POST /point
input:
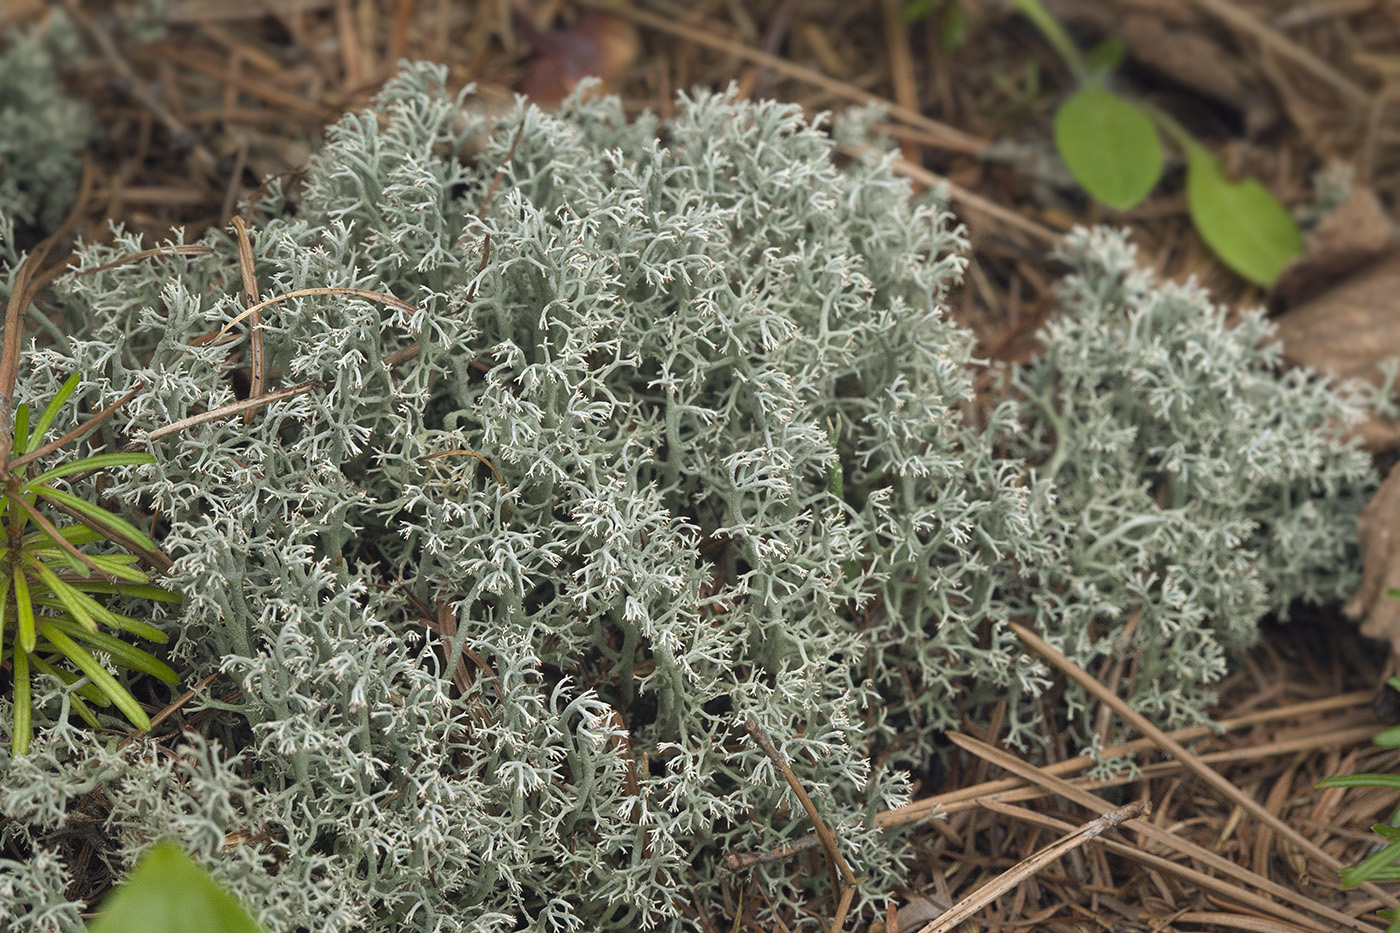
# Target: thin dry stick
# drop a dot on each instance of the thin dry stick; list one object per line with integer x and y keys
{"x": 307, "y": 292}
{"x": 967, "y": 199}
{"x": 992, "y": 890}
{"x": 836, "y": 863}
{"x": 193, "y": 249}
{"x": 234, "y": 409}
{"x": 246, "y": 266}
{"x": 1191, "y": 762}
{"x": 1286, "y": 48}
{"x": 1154, "y": 832}
{"x": 920, "y": 809}
{"x": 950, "y": 138}
{"x": 1196, "y": 879}
{"x": 1340, "y": 732}
{"x": 184, "y": 137}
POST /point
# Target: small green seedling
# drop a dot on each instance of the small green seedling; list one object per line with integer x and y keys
{"x": 52, "y": 589}
{"x": 168, "y": 892}
{"x": 1384, "y": 864}
{"x": 1112, "y": 147}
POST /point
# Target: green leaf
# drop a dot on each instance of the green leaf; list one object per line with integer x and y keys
{"x": 137, "y": 590}
{"x": 21, "y": 428}
{"x": 98, "y": 514}
{"x": 95, "y": 462}
{"x": 97, "y": 674}
{"x": 168, "y": 892}
{"x": 1110, "y": 145}
{"x": 1361, "y": 780}
{"x": 1242, "y": 221}
{"x": 23, "y": 728}
{"x": 66, "y": 595}
{"x": 36, "y": 436}
{"x": 1053, "y": 32}
{"x": 1104, "y": 58}
{"x": 124, "y": 655}
{"x": 25, "y": 608}
{"x": 915, "y": 10}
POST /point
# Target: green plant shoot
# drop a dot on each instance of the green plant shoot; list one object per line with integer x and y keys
{"x": 1112, "y": 147}
{"x": 51, "y": 588}
{"x": 168, "y": 892}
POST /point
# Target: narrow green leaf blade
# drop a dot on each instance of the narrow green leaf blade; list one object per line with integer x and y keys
{"x": 1241, "y": 221}
{"x": 169, "y": 893}
{"x": 25, "y": 609}
{"x": 95, "y": 462}
{"x": 98, "y": 675}
{"x": 1110, "y": 146}
{"x": 23, "y": 724}
{"x": 36, "y": 436}
{"x": 21, "y": 429}
{"x": 96, "y": 513}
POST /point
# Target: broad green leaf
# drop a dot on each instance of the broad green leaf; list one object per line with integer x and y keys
{"x": 98, "y": 675}
{"x": 1241, "y": 221}
{"x": 1110, "y": 146}
{"x": 36, "y": 437}
{"x": 168, "y": 892}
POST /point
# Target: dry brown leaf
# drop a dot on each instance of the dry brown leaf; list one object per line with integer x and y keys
{"x": 597, "y": 44}
{"x": 1380, "y": 566}
{"x": 1355, "y": 234}
{"x": 1350, "y": 328}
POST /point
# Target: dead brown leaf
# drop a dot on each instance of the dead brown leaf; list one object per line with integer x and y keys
{"x": 1352, "y": 236}
{"x": 1380, "y": 566}
{"x": 596, "y": 44}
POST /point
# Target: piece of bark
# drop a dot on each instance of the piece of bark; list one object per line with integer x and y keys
{"x": 1355, "y": 234}
{"x": 1379, "y": 531}
{"x": 597, "y": 44}
{"x": 1351, "y": 328}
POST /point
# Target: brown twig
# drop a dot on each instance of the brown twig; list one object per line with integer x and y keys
{"x": 950, "y": 138}
{"x": 843, "y": 879}
{"x": 1174, "y": 748}
{"x": 234, "y": 409}
{"x": 1015, "y": 875}
{"x": 256, "y": 361}
{"x": 1152, "y": 831}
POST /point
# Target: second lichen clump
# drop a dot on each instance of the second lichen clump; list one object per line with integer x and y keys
{"x": 675, "y": 434}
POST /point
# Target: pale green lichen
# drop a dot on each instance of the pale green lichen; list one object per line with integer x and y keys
{"x": 731, "y": 474}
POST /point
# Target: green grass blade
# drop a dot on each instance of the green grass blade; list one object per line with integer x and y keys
{"x": 25, "y": 609}
{"x": 24, "y": 727}
{"x": 98, "y": 675}
{"x": 66, "y": 594}
{"x": 21, "y": 429}
{"x": 1362, "y": 780}
{"x": 95, "y": 462}
{"x": 51, "y": 412}
{"x": 98, "y": 514}
{"x": 127, "y": 656}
